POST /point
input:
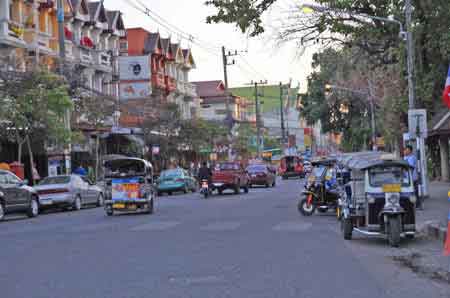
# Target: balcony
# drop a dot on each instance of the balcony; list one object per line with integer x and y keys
{"x": 103, "y": 61}
{"x": 158, "y": 80}
{"x": 44, "y": 42}
{"x": 171, "y": 84}
{"x": 12, "y": 33}
{"x": 83, "y": 55}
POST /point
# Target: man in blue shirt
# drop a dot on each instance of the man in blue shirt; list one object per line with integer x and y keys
{"x": 80, "y": 171}
{"x": 411, "y": 159}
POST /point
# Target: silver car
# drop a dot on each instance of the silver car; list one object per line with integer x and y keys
{"x": 68, "y": 191}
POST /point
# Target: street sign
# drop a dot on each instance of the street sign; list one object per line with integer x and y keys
{"x": 417, "y": 123}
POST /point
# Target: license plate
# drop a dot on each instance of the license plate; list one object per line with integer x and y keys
{"x": 119, "y": 206}
{"x": 389, "y": 188}
{"x": 218, "y": 184}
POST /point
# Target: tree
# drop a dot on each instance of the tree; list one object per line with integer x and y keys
{"x": 32, "y": 102}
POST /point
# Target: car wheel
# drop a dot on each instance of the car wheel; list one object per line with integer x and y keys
{"x": 246, "y": 187}
{"x": 267, "y": 185}
{"x": 77, "y": 204}
{"x": 220, "y": 191}
{"x": 2, "y": 212}
{"x": 109, "y": 211}
{"x": 185, "y": 189}
{"x": 33, "y": 209}
{"x": 100, "y": 200}
{"x": 274, "y": 183}
{"x": 150, "y": 208}
{"x": 160, "y": 194}
{"x": 237, "y": 189}
{"x": 169, "y": 193}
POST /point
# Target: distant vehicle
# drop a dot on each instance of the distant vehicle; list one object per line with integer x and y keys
{"x": 129, "y": 185}
{"x": 230, "y": 175}
{"x": 16, "y": 196}
{"x": 69, "y": 192}
{"x": 291, "y": 166}
{"x": 174, "y": 180}
{"x": 261, "y": 174}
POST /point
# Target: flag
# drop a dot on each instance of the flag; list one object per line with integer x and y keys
{"x": 447, "y": 241}
{"x": 446, "y": 94}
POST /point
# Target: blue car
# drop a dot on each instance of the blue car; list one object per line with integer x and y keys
{"x": 176, "y": 180}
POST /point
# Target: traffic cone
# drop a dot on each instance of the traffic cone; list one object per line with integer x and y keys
{"x": 447, "y": 240}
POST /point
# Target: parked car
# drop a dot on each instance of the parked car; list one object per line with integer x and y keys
{"x": 291, "y": 166}
{"x": 261, "y": 174}
{"x": 16, "y": 196}
{"x": 69, "y": 191}
{"x": 174, "y": 180}
{"x": 230, "y": 175}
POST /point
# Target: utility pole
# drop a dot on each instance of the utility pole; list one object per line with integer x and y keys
{"x": 372, "y": 114}
{"x": 225, "y": 77}
{"x": 61, "y": 35}
{"x": 423, "y": 189}
{"x": 283, "y": 133}
{"x": 258, "y": 123}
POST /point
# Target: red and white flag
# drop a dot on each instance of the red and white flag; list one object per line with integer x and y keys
{"x": 446, "y": 94}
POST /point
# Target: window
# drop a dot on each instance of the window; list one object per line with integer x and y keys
{"x": 55, "y": 180}
{"x": 389, "y": 175}
{"x": 11, "y": 179}
{"x": 3, "y": 178}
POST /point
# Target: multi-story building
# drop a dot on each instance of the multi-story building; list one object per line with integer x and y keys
{"x": 214, "y": 103}
{"x": 154, "y": 71}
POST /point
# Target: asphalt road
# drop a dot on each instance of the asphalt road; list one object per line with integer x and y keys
{"x": 251, "y": 245}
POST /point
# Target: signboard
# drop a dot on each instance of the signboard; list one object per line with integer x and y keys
{"x": 134, "y": 68}
{"x": 135, "y": 90}
{"x": 125, "y": 189}
{"x": 417, "y": 123}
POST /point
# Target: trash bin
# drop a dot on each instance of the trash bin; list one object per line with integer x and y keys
{"x": 18, "y": 169}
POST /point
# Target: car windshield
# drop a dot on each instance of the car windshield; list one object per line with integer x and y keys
{"x": 55, "y": 180}
{"x": 171, "y": 173}
{"x": 257, "y": 168}
{"x": 389, "y": 175}
{"x": 227, "y": 167}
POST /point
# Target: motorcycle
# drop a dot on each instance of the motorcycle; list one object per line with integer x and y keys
{"x": 204, "y": 189}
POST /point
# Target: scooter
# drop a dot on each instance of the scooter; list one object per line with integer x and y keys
{"x": 204, "y": 188}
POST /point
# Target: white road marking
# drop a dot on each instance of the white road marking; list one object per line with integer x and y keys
{"x": 221, "y": 226}
{"x": 292, "y": 226}
{"x": 155, "y": 226}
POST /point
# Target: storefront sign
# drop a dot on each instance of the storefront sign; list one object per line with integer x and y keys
{"x": 125, "y": 189}
{"x": 135, "y": 90}
{"x": 134, "y": 68}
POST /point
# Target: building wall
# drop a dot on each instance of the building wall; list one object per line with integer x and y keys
{"x": 136, "y": 41}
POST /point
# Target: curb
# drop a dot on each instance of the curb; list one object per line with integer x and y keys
{"x": 433, "y": 229}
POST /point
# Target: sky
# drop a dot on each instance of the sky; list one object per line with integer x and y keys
{"x": 260, "y": 58}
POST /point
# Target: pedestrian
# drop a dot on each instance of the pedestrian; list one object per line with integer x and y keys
{"x": 81, "y": 171}
{"x": 411, "y": 159}
{"x": 35, "y": 173}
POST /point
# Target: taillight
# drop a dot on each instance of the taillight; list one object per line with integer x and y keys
{"x": 53, "y": 191}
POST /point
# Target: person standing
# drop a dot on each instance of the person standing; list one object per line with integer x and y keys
{"x": 411, "y": 159}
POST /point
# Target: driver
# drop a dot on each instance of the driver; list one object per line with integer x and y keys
{"x": 205, "y": 173}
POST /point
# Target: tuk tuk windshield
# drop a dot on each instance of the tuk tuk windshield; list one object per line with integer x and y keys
{"x": 124, "y": 167}
{"x": 318, "y": 171}
{"x": 380, "y": 176}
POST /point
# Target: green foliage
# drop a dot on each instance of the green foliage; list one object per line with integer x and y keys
{"x": 35, "y": 101}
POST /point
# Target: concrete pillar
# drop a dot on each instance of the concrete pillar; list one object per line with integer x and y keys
{"x": 443, "y": 148}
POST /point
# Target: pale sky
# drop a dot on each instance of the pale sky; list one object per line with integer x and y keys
{"x": 266, "y": 59}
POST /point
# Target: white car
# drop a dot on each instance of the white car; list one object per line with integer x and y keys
{"x": 68, "y": 191}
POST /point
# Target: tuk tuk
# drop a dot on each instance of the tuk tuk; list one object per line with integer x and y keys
{"x": 379, "y": 197}
{"x": 322, "y": 189}
{"x": 291, "y": 166}
{"x": 129, "y": 185}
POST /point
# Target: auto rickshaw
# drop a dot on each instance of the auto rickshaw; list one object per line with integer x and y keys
{"x": 129, "y": 185}
{"x": 379, "y": 198}
{"x": 322, "y": 189}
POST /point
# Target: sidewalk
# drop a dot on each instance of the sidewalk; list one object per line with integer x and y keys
{"x": 433, "y": 219}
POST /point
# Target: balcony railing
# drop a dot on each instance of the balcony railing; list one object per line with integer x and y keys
{"x": 103, "y": 60}
{"x": 43, "y": 40}
{"x": 83, "y": 55}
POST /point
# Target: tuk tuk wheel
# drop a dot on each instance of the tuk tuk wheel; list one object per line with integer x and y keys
{"x": 305, "y": 208}
{"x": 109, "y": 211}
{"x": 150, "y": 208}
{"x": 347, "y": 228}
{"x": 394, "y": 231}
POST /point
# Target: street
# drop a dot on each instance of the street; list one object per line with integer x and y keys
{"x": 251, "y": 245}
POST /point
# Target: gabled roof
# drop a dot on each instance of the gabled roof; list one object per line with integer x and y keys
{"x": 80, "y": 6}
{"x": 177, "y": 52}
{"x": 115, "y": 21}
{"x": 153, "y": 43}
{"x": 210, "y": 88}
{"x": 97, "y": 12}
{"x": 188, "y": 58}
{"x": 167, "y": 49}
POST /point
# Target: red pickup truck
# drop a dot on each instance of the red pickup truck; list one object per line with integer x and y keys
{"x": 230, "y": 175}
